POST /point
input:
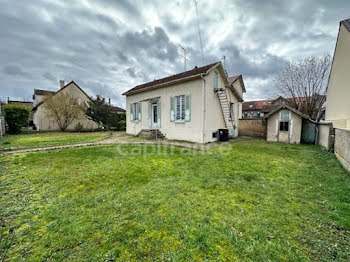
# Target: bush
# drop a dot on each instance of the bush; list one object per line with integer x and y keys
{"x": 16, "y": 116}
{"x": 121, "y": 126}
{"x": 79, "y": 127}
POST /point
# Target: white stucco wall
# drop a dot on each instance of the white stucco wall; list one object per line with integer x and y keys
{"x": 189, "y": 131}
{"x": 338, "y": 94}
{"x": 44, "y": 123}
{"x": 204, "y": 119}
{"x": 213, "y": 113}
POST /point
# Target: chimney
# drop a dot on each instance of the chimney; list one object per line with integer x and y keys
{"x": 109, "y": 101}
{"x": 61, "y": 83}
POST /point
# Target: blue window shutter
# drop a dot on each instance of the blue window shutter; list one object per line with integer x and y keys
{"x": 172, "y": 109}
{"x": 188, "y": 108}
{"x": 158, "y": 114}
{"x": 216, "y": 79}
{"x": 140, "y": 109}
{"x": 131, "y": 112}
{"x": 150, "y": 114}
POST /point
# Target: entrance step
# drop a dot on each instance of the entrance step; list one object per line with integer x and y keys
{"x": 152, "y": 133}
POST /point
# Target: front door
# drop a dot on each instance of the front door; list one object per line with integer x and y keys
{"x": 154, "y": 118}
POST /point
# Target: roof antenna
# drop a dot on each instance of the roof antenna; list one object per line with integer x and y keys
{"x": 199, "y": 31}
{"x": 184, "y": 56}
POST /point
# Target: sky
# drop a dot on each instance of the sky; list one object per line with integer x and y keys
{"x": 110, "y": 46}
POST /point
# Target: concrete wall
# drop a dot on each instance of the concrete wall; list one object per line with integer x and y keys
{"x": 293, "y": 136}
{"x": 252, "y": 127}
{"x": 325, "y": 135}
{"x": 338, "y": 95}
{"x": 43, "y": 122}
{"x": 342, "y": 147}
{"x": 206, "y": 114}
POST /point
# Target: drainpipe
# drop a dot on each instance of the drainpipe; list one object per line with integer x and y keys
{"x": 203, "y": 105}
{"x": 316, "y": 138}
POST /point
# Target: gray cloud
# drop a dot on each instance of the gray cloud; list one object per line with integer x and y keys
{"x": 14, "y": 70}
{"x": 110, "y": 46}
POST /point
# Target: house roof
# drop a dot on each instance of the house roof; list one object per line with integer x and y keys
{"x": 233, "y": 79}
{"x": 255, "y": 105}
{"x": 284, "y": 106}
{"x": 53, "y": 93}
{"x": 41, "y": 92}
{"x": 118, "y": 109}
{"x": 346, "y": 23}
{"x": 197, "y": 71}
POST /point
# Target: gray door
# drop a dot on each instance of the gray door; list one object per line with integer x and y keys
{"x": 308, "y": 132}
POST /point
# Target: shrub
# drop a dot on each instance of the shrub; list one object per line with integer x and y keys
{"x": 16, "y": 116}
{"x": 121, "y": 126}
{"x": 79, "y": 127}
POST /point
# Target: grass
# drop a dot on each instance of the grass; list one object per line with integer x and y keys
{"x": 250, "y": 201}
{"x": 49, "y": 139}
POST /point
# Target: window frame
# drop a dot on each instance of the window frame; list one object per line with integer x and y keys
{"x": 135, "y": 111}
{"x": 182, "y": 108}
{"x": 284, "y": 126}
{"x": 216, "y": 80}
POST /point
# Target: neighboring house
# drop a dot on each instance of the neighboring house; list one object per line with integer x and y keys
{"x": 338, "y": 93}
{"x": 288, "y": 125}
{"x": 255, "y": 109}
{"x": 118, "y": 110}
{"x": 41, "y": 118}
{"x": 189, "y": 106}
{"x": 260, "y": 108}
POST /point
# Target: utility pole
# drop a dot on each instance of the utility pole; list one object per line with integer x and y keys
{"x": 184, "y": 56}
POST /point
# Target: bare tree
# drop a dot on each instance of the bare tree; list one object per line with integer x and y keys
{"x": 304, "y": 83}
{"x": 64, "y": 108}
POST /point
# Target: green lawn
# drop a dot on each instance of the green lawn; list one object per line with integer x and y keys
{"x": 250, "y": 201}
{"x": 49, "y": 139}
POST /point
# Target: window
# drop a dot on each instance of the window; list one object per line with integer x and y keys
{"x": 245, "y": 115}
{"x": 285, "y": 115}
{"x": 232, "y": 110}
{"x": 216, "y": 80}
{"x": 135, "y": 112}
{"x": 258, "y": 115}
{"x": 180, "y": 108}
{"x": 284, "y": 126}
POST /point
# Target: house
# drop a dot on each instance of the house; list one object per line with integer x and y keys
{"x": 338, "y": 93}
{"x": 260, "y": 108}
{"x": 288, "y": 125}
{"x": 44, "y": 122}
{"x": 255, "y": 109}
{"x": 189, "y": 106}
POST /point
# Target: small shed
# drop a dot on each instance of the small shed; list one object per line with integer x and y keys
{"x": 288, "y": 125}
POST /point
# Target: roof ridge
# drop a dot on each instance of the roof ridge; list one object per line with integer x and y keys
{"x": 185, "y": 74}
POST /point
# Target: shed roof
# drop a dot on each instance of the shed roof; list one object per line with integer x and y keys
{"x": 284, "y": 106}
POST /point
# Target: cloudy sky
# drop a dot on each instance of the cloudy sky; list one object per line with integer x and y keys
{"x": 109, "y": 46}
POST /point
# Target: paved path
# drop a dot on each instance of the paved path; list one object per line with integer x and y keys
{"x": 123, "y": 140}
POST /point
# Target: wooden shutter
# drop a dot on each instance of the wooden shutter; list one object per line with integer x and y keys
{"x": 188, "y": 108}
{"x": 172, "y": 109}
{"x": 150, "y": 114}
{"x": 131, "y": 112}
{"x": 158, "y": 114}
{"x": 216, "y": 79}
{"x": 139, "y": 110}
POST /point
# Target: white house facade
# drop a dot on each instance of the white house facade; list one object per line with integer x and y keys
{"x": 189, "y": 106}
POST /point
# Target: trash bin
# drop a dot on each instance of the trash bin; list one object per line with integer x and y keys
{"x": 223, "y": 134}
